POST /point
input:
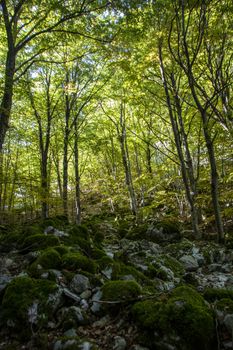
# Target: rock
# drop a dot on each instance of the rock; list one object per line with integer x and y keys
{"x": 101, "y": 323}
{"x": 95, "y": 308}
{"x": 70, "y": 344}
{"x": 85, "y": 346}
{"x": 119, "y": 343}
{"x": 107, "y": 272}
{"x": 71, "y": 295}
{"x": 86, "y": 294}
{"x": 228, "y": 322}
{"x": 189, "y": 262}
{"x": 71, "y": 333}
{"x": 4, "y": 280}
{"x": 49, "y": 229}
{"x": 57, "y": 345}
{"x": 227, "y": 345}
{"x": 58, "y": 233}
{"x": 84, "y": 304}
{"x": 138, "y": 347}
{"x": 79, "y": 283}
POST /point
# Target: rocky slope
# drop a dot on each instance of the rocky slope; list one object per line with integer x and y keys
{"x": 101, "y": 287}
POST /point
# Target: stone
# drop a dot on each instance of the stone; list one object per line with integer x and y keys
{"x": 4, "y": 280}
{"x": 95, "y": 308}
{"x": 228, "y": 322}
{"x": 119, "y": 343}
{"x": 101, "y": 323}
{"x": 189, "y": 262}
{"x": 84, "y": 304}
{"x": 85, "y": 346}
{"x": 49, "y": 229}
{"x": 71, "y": 333}
{"x": 79, "y": 283}
{"x": 71, "y": 295}
{"x": 138, "y": 347}
{"x": 86, "y": 294}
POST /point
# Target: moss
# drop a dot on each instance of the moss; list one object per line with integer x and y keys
{"x": 80, "y": 231}
{"x": 177, "y": 249}
{"x": 120, "y": 290}
{"x": 78, "y": 261}
{"x": 49, "y": 259}
{"x": 61, "y": 249}
{"x": 183, "y": 314}
{"x": 213, "y": 294}
{"x": 97, "y": 253}
{"x": 104, "y": 262}
{"x": 39, "y": 241}
{"x": 20, "y": 295}
{"x": 225, "y": 305}
{"x": 120, "y": 270}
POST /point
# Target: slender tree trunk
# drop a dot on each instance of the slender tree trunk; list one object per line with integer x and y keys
{"x": 77, "y": 176}
{"x": 65, "y": 160}
{"x": 175, "y": 129}
{"x": 44, "y": 186}
{"x": 126, "y": 162}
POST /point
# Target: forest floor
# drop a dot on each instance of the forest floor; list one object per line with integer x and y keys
{"x": 113, "y": 285}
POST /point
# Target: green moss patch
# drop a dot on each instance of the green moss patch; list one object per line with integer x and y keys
{"x": 213, "y": 294}
{"x": 78, "y": 261}
{"x": 120, "y": 290}
{"x": 39, "y": 241}
{"x": 184, "y": 314}
{"x": 20, "y": 296}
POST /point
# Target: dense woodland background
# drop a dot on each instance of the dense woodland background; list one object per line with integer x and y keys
{"x": 121, "y": 106}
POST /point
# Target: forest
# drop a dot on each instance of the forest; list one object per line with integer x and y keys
{"x": 116, "y": 174}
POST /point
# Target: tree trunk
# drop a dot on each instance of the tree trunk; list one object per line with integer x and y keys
{"x": 77, "y": 176}
{"x": 175, "y": 129}
{"x": 126, "y": 162}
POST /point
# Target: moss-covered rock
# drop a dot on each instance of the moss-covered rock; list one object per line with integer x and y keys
{"x": 97, "y": 253}
{"x": 165, "y": 267}
{"x": 183, "y": 316}
{"x": 120, "y": 290}
{"x": 120, "y": 270}
{"x": 78, "y": 261}
{"x": 49, "y": 259}
{"x": 61, "y": 249}
{"x": 213, "y": 294}
{"x": 28, "y": 303}
{"x": 39, "y": 241}
{"x": 225, "y": 305}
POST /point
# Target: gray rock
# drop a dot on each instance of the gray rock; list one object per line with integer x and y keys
{"x": 228, "y": 322}
{"x": 227, "y": 345}
{"x": 86, "y": 294}
{"x": 79, "y": 283}
{"x": 189, "y": 262}
{"x": 71, "y": 295}
{"x": 57, "y": 345}
{"x": 138, "y": 347}
{"x": 55, "y": 300}
{"x": 84, "y": 304}
{"x": 70, "y": 343}
{"x": 95, "y": 308}
{"x": 102, "y": 322}
{"x": 71, "y": 333}
{"x": 107, "y": 272}
{"x": 214, "y": 267}
{"x": 128, "y": 278}
{"x": 49, "y": 229}
{"x": 119, "y": 343}
{"x": 4, "y": 280}
{"x": 85, "y": 346}
{"x": 60, "y": 233}
{"x": 76, "y": 313}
